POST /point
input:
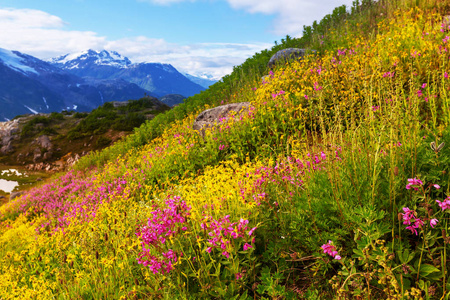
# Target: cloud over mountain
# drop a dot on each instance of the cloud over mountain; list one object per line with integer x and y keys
{"x": 45, "y": 36}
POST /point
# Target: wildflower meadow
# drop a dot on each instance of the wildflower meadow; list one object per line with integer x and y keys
{"x": 334, "y": 184}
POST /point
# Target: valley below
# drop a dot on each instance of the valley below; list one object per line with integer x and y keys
{"x": 33, "y": 147}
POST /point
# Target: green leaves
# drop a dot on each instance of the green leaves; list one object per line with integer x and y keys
{"x": 426, "y": 271}
{"x": 405, "y": 256}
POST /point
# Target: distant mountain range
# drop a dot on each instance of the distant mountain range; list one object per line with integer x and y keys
{"x": 83, "y": 81}
{"x": 203, "y": 80}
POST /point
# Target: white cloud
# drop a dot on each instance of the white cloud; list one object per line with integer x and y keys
{"x": 41, "y": 34}
{"x": 216, "y": 59}
{"x": 291, "y": 14}
{"x": 45, "y": 36}
{"x": 28, "y": 18}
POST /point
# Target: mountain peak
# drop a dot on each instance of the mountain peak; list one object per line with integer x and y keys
{"x": 15, "y": 60}
{"x": 91, "y": 57}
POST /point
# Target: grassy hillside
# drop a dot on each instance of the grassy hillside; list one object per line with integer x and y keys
{"x": 75, "y": 133}
{"x": 334, "y": 185}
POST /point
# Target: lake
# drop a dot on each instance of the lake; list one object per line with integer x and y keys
{"x": 8, "y": 185}
{"x": 15, "y": 178}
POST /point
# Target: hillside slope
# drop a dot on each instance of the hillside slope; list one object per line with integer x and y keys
{"x": 334, "y": 184}
{"x": 48, "y": 141}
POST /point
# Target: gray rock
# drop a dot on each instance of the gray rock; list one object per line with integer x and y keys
{"x": 72, "y": 160}
{"x": 285, "y": 55}
{"x": 37, "y": 154}
{"x": 8, "y": 132}
{"x": 47, "y": 155}
{"x": 44, "y": 142}
{"x": 210, "y": 117}
{"x": 15, "y": 195}
{"x": 7, "y": 139}
{"x": 7, "y": 149}
{"x": 446, "y": 23}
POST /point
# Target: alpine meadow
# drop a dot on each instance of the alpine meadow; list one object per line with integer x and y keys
{"x": 332, "y": 183}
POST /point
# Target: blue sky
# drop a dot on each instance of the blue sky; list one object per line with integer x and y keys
{"x": 196, "y": 36}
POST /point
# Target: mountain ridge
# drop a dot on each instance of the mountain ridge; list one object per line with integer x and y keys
{"x": 82, "y": 81}
{"x": 158, "y": 78}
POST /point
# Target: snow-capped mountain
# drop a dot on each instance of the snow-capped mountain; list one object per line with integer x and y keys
{"x": 159, "y": 79}
{"x": 89, "y": 57}
{"x": 204, "y": 80}
{"x": 82, "y": 81}
{"x": 30, "y": 85}
{"x": 16, "y": 61}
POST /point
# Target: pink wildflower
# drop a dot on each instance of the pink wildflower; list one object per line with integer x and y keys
{"x": 419, "y": 93}
{"x": 413, "y": 183}
{"x": 409, "y": 218}
{"x": 247, "y": 246}
{"x": 330, "y": 249}
{"x": 433, "y": 222}
{"x": 444, "y": 204}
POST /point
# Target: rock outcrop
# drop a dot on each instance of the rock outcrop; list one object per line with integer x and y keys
{"x": 15, "y": 195}
{"x": 8, "y": 132}
{"x": 445, "y": 23}
{"x": 60, "y": 165}
{"x": 44, "y": 142}
{"x": 285, "y": 55}
{"x": 211, "y": 117}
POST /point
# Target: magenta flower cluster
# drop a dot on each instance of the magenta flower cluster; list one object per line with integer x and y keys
{"x": 330, "y": 249}
{"x": 317, "y": 87}
{"x": 389, "y": 74}
{"x": 444, "y": 204}
{"x": 410, "y": 219}
{"x": 71, "y": 198}
{"x": 164, "y": 224}
{"x": 278, "y": 94}
{"x": 414, "y": 183}
{"x": 289, "y": 172}
{"x": 222, "y": 231}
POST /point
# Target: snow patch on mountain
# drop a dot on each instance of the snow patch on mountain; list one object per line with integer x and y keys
{"x": 14, "y": 61}
{"x": 101, "y": 58}
{"x": 32, "y": 110}
{"x": 45, "y": 101}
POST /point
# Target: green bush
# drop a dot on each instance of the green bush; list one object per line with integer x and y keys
{"x": 102, "y": 141}
{"x": 56, "y": 116}
{"x": 80, "y": 115}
